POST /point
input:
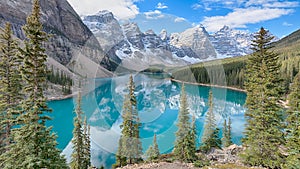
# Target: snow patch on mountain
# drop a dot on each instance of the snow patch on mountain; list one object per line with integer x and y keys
{"x": 229, "y": 42}
{"x": 137, "y": 50}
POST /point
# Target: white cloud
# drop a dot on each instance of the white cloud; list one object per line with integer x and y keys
{"x": 242, "y": 16}
{"x": 282, "y": 5}
{"x": 196, "y": 6}
{"x": 286, "y": 24}
{"x": 161, "y": 6}
{"x": 233, "y": 4}
{"x": 179, "y": 19}
{"x": 272, "y": 3}
{"x": 122, "y": 9}
{"x": 156, "y": 14}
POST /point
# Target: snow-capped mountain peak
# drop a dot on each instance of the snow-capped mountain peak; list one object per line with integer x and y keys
{"x": 229, "y": 42}
{"x": 127, "y": 45}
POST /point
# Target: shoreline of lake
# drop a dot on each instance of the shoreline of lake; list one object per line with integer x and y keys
{"x": 53, "y": 98}
{"x": 210, "y": 85}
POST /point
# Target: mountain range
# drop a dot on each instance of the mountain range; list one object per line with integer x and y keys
{"x": 97, "y": 45}
{"x": 126, "y": 45}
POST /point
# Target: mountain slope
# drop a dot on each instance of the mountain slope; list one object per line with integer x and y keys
{"x": 70, "y": 37}
{"x": 289, "y": 40}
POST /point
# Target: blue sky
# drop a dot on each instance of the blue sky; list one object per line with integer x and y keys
{"x": 280, "y": 17}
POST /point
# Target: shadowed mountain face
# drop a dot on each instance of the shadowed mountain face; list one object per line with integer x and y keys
{"x": 69, "y": 35}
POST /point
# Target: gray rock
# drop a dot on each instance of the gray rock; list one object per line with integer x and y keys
{"x": 70, "y": 36}
{"x": 225, "y": 155}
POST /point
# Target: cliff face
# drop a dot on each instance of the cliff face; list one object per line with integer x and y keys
{"x": 111, "y": 32}
{"x": 197, "y": 39}
{"x": 69, "y": 36}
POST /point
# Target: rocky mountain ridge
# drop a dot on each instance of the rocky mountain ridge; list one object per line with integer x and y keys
{"x": 125, "y": 43}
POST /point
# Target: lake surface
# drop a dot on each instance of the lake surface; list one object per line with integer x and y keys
{"x": 158, "y": 103}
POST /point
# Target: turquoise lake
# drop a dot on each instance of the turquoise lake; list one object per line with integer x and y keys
{"x": 158, "y": 102}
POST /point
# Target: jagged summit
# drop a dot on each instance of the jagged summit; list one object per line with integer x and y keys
{"x": 225, "y": 28}
{"x": 197, "y": 39}
{"x": 163, "y": 35}
{"x": 229, "y": 42}
{"x": 100, "y": 17}
{"x": 106, "y": 29}
{"x": 150, "y": 32}
{"x": 126, "y": 43}
{"x": 104, "y": 12}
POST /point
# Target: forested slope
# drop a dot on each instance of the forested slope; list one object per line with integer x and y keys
{"x": 231, "y": 71}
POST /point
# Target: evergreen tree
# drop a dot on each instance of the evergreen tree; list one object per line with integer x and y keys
{"x": 226, "y": 139}
{"x": 192, "y": 147}
{"x": 130, "y": 147}
{"x": 182, "y": 149}
{"x": 10, "y": 83}
{"x": 155, "y": 148}
{"x": 78, "y": 153}
{"x": 34, "y": 145}
{"x": 87, "y": 143}
{"x": 153, "y": 151}
{"x": 210, "y": 137}
{"x": 293, "y": 127}
{"x": 263, "y": 132}
{"x": 120, "y": 159}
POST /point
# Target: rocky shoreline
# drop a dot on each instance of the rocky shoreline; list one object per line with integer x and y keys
{"x": 219, "y": 159}
{"x": 53, "y": 98}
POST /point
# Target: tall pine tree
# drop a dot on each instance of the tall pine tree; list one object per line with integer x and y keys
{"x": 293, "y": 127}
{"x": 184, "y": 134}
{"x": 34, "y": 145}
{"x": 10, "y": 83}
{"x": 210, "y": 137}
{"x": 78, "y": 153}
{"x": 130, "y": 146}
{"x": 87, "y": 143}
{"x": 226, "y": 139}
{"x": 263, "y": 132}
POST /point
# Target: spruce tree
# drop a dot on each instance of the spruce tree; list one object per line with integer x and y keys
{"x": 192, "y": 146}
{"x": 182, "y": 149}
{"x": 263, "y": 132}
{"x": 293, "y": 125}
{"x": 78, "y": 153}
{"x": 210, "y": 137}
{"x": 87, "y": 143}
{"x": 120, "y": 159}
{"x": 155, "y": 148}
{"x": 10, "y": 83}
{"x": 34, "y": 145}
{"x": 153, "y": 151}
{"x": 226, "y": 139}
{"x": 130, "y": 147}
{"x": 150, "y": 153}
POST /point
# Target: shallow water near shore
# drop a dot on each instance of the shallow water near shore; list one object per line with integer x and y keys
{"x": 158, "y": 103}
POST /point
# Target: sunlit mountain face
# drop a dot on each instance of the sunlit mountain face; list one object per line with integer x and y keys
{"x": 158, "y": 104}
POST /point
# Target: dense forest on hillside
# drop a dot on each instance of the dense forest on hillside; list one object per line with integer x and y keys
{"x": 233, "y": 69}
